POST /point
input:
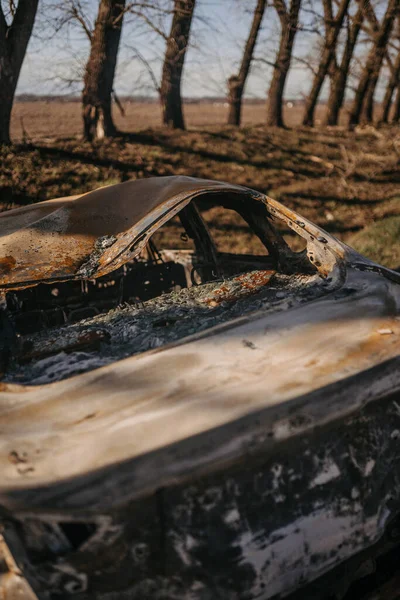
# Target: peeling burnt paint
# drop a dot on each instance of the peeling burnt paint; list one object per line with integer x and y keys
{"x": 92, "y": 264}
{"x": 7, "y": 263}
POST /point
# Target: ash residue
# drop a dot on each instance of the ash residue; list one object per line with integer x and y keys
{"x": 90, "y": 266}
{"x": 133, "y": 329}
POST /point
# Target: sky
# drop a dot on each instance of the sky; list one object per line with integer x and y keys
{"x": 54, "y": 63}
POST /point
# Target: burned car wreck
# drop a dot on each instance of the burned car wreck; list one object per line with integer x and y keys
{"x": 191, "y": 423}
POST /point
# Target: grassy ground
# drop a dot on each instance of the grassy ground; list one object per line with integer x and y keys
{"x": 342, "y": 181}
{"x": 380, "y": 241}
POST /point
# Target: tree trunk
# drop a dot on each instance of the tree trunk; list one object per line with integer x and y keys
{"x": 100, "y": 70}
{"x": 396, "y": 111}
{"x": 289, "y": 22}
{"x": 177, "y": 44}
{"x": 236, "y": 83}
{"x": 339, "y": 80}
{"x": 235, "y": 94}
{"x": 391, "y": 86}
{"x": 14, "y": 40}
{"x": 374, "y": 63}
{"x": 393, "y": 82}
{"x": 326, "y": 58}
{"x": 7, "y": 91}
{"x": 367, "y": 111}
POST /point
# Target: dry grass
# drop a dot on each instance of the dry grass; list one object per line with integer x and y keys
{"x": 342, "y": 181}
{"x": 380, "y": 241}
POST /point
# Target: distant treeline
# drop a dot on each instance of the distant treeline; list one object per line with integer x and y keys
{"x": 148, "y": 99}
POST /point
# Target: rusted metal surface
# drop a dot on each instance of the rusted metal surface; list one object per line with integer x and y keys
{"x": 238, "y": 462}
{"x": 90, "y": 235}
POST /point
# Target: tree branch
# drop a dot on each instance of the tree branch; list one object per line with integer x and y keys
{"x": 264, "y": 61}
{"x": 11, "y": 4}
{"x": 306, "y": 63}
{"x": 328, "y": 13}
{"x": 149, "y": 22}
{"x": 148, "y": 67}
{"x": 80, "y": 17}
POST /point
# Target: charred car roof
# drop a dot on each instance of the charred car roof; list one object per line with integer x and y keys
{"x": 91, "y": 234}
{"x": 95, "y": 233}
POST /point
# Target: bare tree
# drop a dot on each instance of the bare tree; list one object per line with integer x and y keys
{"x": 370, "y": 73}
{"x": 177, "y": 44}
{"x": 340, "y": 75}
{"x": 14, "y": 38}
{"x": 333, "y": 27}
{"x": 237, "y": 82}
{"x": 100, "y": 71}
{"x": 289, "y": 23}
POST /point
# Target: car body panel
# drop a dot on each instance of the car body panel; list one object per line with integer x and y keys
{"x": 224, "y": 374}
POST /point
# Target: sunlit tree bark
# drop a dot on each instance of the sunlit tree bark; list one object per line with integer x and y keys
{"x": 100, "y": 71}
{"x": 289, "y": 23}
{"x": 396, "y": 107}
{"x": 393, "y": 82}
{"x": 177, "y": 45}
